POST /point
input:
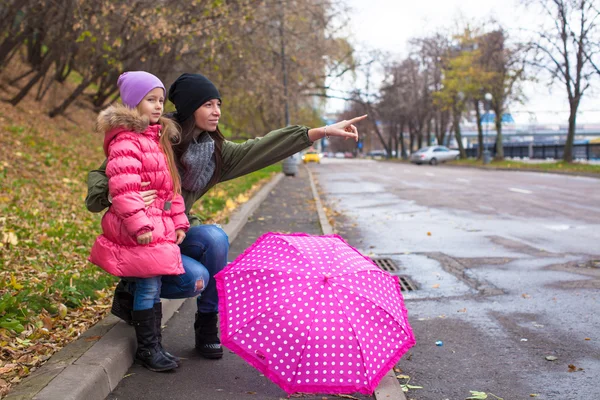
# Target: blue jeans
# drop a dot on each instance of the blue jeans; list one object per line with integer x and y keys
{"x": 146, "y": 293}
{"x": 204, "y": 250}
{"x": 204, "y": 253}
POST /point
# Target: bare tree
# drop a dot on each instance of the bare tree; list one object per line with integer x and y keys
{"x": 566, "y": 46}
{"x": 507, "y": 67}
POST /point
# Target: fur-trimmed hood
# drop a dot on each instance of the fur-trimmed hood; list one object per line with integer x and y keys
{"x": 118, "y": 118}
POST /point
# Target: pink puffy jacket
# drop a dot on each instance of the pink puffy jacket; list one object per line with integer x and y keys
{"x": 134, "y": 156}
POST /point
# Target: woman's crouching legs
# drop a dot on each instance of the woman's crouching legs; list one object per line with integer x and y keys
{"x": 189, "y": 284}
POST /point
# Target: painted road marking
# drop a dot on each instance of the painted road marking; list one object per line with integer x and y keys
{"x": 463, "y": 180}
{"x": 516, "y": 190}
{"x": 429, "y": 174}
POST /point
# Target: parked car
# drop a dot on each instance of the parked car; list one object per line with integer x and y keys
{"x": 311, "y": 156}
{"x": 377, "y": 154}
{"x": 348, "y": 155}
{"x": 433, "y": 155}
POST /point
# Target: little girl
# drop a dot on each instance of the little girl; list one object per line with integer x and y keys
{"x": 138, "y": 241}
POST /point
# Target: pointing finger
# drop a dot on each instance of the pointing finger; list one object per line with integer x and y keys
{"x": 358, "y": 119}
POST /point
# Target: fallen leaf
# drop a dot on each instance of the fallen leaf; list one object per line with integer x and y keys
{"x": 551, "y": 358}
{"x": 10, "y": 238}
{"x": 47, "y": 322}
{"x": 573, "y": 368}
{"x": 463, "y": 310}
{"x": 428, "y": 233}
{"x": 14, "y": 283}
{"x": 406, "y": 388}
{"x": 437, "y": 285}
{"x": 230, "y": 205}
{"x": 92, "y": 338}
{"x": 525, "y": 296}
{"x": 533, "y": 395}
{"x": 401, "y": 376}
{"x": 475, "y": 395}
{"x": 587, "y": 338}
{"x": 62, "y": 311}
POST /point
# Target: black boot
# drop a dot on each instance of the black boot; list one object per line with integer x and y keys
{"x": 158, "y": 320}
{"x": 208, "y": 344}
{"x": 148, "y": 352}
{"x": 122, "y": 304}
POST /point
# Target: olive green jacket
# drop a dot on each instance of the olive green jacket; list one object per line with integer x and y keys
{"x": 238, "y": 159}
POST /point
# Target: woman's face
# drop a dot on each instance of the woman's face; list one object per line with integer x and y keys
{"x": 151, "y": 105}
{"x": 207, "y": 115}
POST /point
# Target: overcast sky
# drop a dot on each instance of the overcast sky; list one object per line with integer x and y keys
{"x": 388, "y": 25}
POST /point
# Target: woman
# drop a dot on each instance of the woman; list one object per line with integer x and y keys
{"x": 204, "y": 158}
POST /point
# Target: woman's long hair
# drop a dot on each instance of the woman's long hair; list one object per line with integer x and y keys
{"x": 188, "y": 131}
{"x": 169, "y": 137}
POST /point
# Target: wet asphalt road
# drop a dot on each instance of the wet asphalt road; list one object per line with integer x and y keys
{"x": 506, "y": 267}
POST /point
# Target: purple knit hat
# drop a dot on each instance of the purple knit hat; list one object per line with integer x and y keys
{"x": 134, "y": 85}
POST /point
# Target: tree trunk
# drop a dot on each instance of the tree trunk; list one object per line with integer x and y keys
{"x": 7, "y": 46}
{"x": 458, "y": 134}
{"x": 82, "y": 86}
{"x": 43, "y": 69}
{"x": 429, "y": 132}
{"x": 479, "y": 131}
{"x": 568, "y": 154}
{"x": 370, "y": 111}
{"x": 499, "y": 142}
{"x": 436, "y": 126}
{"x": 402, "y": 145}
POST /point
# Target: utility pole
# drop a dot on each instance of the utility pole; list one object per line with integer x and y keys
{"x": 290, "y": 164}
{"x": 283, "y": 63}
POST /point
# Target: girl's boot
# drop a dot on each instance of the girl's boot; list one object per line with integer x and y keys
{"x": 148, "y": 352}
{"x": 158, "y": 320}
{"x": 122, "y": 304}
{"x": 206, "y": 329}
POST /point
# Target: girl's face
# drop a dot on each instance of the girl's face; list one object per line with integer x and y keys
{"x": 207, "y": 115}
{"x": 152, "y": 104}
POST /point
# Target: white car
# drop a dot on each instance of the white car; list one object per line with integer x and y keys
{"x": 434, "y": 155}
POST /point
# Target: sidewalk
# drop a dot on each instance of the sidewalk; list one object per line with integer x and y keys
{"x": 286, "y": 204}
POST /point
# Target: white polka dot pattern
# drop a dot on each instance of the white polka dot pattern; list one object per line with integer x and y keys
{"x": 313, "y": 314}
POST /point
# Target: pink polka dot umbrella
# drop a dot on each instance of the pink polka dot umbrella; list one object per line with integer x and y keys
{"x": 313, "y": 314}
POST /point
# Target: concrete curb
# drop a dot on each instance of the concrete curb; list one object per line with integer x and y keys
{"x": 88, "y": 368}
{"x": 389, "y": 388}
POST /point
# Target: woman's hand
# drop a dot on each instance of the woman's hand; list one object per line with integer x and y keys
{"x": 148, "y": 195}
{"x": 144, "y": 238}
{"x": 345, "y": 129}
{"x": 180, "y": 236}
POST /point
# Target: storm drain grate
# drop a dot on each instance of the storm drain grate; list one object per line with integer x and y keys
{"x": 385, "y": 264}
{"x": 388, "y": 265}
{"x": 406, "y": 285}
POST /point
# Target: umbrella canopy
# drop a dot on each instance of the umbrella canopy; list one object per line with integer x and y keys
{"x": 313, "y": 314}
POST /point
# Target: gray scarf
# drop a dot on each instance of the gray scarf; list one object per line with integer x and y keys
{"x": 198, "y": 163}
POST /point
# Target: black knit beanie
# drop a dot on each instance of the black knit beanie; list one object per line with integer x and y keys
{"x": 189, "y": 92}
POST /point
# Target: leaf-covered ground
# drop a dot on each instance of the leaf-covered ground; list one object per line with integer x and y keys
{"x": 49, "y": 292}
